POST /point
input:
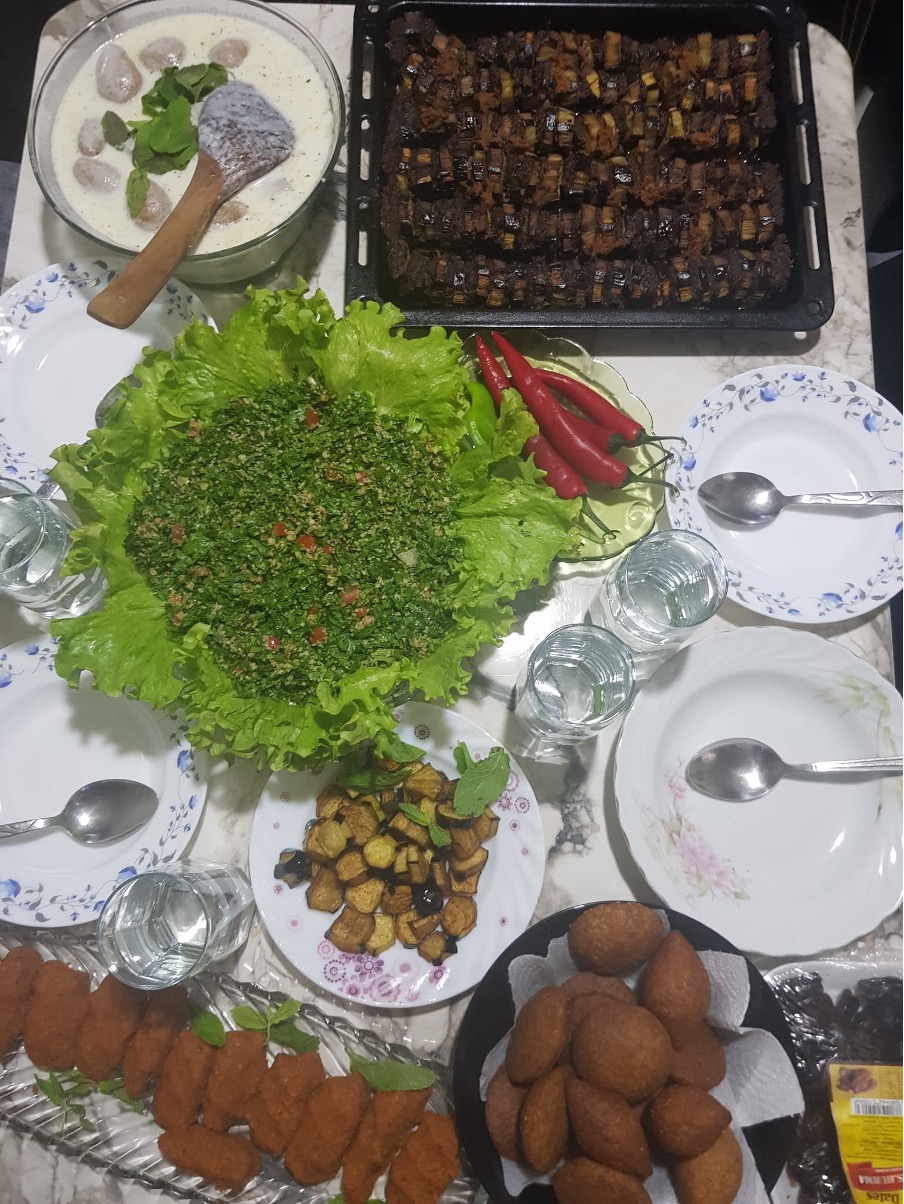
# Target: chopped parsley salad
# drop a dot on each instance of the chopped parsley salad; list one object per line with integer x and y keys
{"x": 295, "y": 529}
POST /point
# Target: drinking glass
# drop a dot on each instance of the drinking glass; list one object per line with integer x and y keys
{"x": 575, "y": 683}
{"x": 34, "y": 540}
{"x": 169, "y": 923}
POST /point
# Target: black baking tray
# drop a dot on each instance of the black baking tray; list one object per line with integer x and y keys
{"x": 808, "y": 299}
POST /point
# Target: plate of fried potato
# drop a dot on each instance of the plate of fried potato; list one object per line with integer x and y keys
{"x": 600, "y": 1082}
{"x": 398, "y": 883}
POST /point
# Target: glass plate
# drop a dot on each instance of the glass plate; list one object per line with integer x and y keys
{"x": 630, "y": 512}
{"x": 124, "y": 1143}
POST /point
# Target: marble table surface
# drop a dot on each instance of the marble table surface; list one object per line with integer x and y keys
{"x": 587, "y": 854}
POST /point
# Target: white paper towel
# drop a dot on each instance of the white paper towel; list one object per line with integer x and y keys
{"x": 759, "y": 1085}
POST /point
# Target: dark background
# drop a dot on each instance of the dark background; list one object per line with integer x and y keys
{"x": 871, "y": 30}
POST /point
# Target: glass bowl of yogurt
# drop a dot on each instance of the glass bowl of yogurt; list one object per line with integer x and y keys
{"x": 87, "y": 174}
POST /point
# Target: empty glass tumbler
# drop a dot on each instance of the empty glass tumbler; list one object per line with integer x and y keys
{"x": 34, "y": 540}
{"x": 575, "y": 683}
{"x": 669, "y": 583}
{"x": 169, "y": 923}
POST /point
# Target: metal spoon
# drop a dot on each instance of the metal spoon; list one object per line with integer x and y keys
{"x": 98, "y": 812}
{"x": 739, "y": 770}
{"x": 749, "y": 499}
{"x": 241, "y": 137}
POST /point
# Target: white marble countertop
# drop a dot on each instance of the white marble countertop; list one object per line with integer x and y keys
{"x": 671, "y": 370}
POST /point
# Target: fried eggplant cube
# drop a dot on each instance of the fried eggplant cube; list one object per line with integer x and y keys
{"x": 325, "y": 891}
{"x": 351, "y": 930}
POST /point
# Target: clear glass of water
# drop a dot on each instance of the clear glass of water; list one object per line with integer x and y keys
{"x": 169, "y": 923}
{"x": 575, "y": 683}
{"x": 669, "y": 583}
{"x": 34, "y": 540}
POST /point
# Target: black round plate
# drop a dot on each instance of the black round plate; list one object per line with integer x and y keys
{"x": 491, "y": 1014}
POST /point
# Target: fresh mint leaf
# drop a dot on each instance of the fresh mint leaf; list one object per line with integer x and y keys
{"x": 172, "y": 131}
{"x": 115, "y": 130}
{"x": 208, "y": 1027}
{"x": 52, "y": 1088}
{"x": 286, "y": 1010}
{"x": 117, "y": 1089}
{"x": 415, "y": 814}
{"x": 392, "y": 1076}
{"x": 395, "y": 749}
{"x": 439, "y": 836}
{"x": 285, "y": 1033}
{"x": 482, "y": 783}
{"x": 136, "y": 190}
{"x": 250, "y": 1018}
{"x": 463, "y": 759}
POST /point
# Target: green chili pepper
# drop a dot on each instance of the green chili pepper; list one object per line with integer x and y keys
{"x": 480, "y": 419}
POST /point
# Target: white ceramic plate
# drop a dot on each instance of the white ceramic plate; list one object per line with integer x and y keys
{"x": 813, "y": 864}
{"x": 400, "y": 978}
{"x": 808, "y": 431}
{"x": 57, "y": 364}
{"x": 53, "y": 740}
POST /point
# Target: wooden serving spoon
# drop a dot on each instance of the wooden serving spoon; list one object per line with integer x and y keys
{"x": 241, "y": 137}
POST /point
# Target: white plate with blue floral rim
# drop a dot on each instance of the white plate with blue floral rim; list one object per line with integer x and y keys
{"x": 813, "y": 864}
{"x": 400, "y": 978}
{"x": 808, "y": 431}
{"x": 57, "y": 364}
{"x": 54, "y": 739}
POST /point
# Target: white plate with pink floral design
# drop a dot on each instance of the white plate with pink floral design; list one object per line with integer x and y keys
{"x": 399, "y": 978}
{"x": 815, "y": 863}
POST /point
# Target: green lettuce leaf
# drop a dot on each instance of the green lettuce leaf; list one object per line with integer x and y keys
{"x": 511, "y": 525}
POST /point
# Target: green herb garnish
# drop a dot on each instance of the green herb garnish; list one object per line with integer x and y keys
{"x": 276, "y": 1024}
{"x": 438, "y": 835}
{"x": 208, "y": 1027}
{"x": 392, "y": 1076}
{"x": 395, "y": 749}
{"x": 115, "y": 130}
{"x": 67, "y": 1088}
{"x": 481, "y": 782}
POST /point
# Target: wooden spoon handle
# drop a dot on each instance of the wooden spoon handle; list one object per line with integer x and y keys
{"x": 128, "y": 296}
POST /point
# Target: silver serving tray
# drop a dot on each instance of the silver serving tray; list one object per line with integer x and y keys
{"x": 124, "y": 1143}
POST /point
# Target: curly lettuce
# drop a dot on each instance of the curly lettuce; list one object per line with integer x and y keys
{"x": 510, "y": 523}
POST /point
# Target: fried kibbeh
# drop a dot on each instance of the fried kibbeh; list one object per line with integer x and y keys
{"x": 503, "y": 1108}
{"x": 226, "y": 1159}
{"x": 583, "y": 1181}
{"x": 17, "y": 977}
{"x": 585, "y": 982}
{"x": 613, "y": 938}
{"x": 606, "y": 1128}
{"x": 426, "y": 1164}
{"x": 685, "y": 1121}
{"x": 675, "y": 987}
{"x": 582, "y": 1005}
{"x": 234, "y": 1078}
{"x": 386, "y": 1122}
{"x": 275, "y": 1110}
{"x": 180, "y": 1088}
{"x": 713, "y": 1177}
{"x": 114, "y": 1013}
{"x": 539, "y": 1036}
{"x": 623, "y": 1048}
{"x": 328, "y": 1122}
{"x": 700, "y": 1061}
{"x": 165, "y": 1015}
{"x": 58, "y": 1003}
{"x": 543, "y": 1123}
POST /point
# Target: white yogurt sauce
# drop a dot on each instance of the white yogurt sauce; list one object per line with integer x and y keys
{"x": 282, "y": 72}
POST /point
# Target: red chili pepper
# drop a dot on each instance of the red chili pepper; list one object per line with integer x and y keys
{"x": 493, "y": 374}
{"x": 560, "y": 476}
{"x": 593, "y": 404}
{"x": 568, "y": 440}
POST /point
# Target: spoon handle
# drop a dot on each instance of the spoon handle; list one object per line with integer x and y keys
{"x": 127, "y": 296}
{"x": 868, "y": 497}
{"x": 867, "y": 765}
{"x": 26, "y": 825}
